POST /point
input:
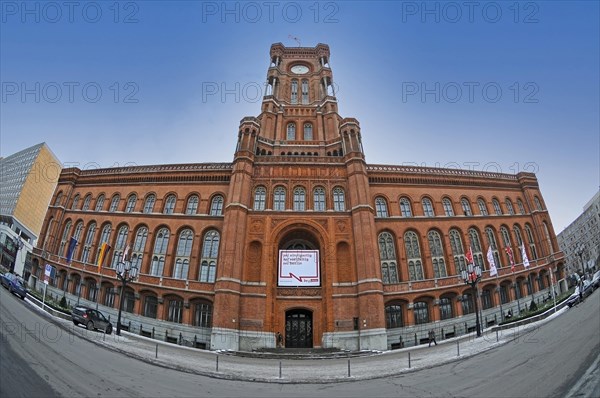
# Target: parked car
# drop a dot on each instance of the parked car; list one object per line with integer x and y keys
{"x": 6, "y": 279}
{"x": 17, "y": 286}
{"x": 574, "y": 298}
{"x": 596, "y": 280}
{"x": 92, "y": 319}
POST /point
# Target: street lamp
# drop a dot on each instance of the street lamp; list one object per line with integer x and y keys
{"x": 125, "y": 273}
{"x": 579, "y": 252}
{"x": 471, "y": 276}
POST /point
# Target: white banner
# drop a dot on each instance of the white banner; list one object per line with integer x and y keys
{"x": 299, "y": 268}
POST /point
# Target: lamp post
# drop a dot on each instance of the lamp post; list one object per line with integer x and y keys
{"x": 579, "y": 252}
{"x": 125, "y": 273}
{"x": 471, "y": 276}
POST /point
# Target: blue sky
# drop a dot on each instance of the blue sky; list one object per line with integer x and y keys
{"x": 487, "y": 85}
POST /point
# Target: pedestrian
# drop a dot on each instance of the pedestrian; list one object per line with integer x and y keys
{"x": 581, "y": 290}
{"x": 279, "y": 340}
{"x": 432, "y": 337}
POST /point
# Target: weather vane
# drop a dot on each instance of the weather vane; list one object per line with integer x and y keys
{"x": 295, "y": 38}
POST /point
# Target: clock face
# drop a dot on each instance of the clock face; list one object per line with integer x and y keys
{"x": 299, "y": 69}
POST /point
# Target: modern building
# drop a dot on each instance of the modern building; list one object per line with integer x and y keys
{"x": 580, "y": 241}
{"x": 299, "y": 235}
{"x": 27, "y": 182}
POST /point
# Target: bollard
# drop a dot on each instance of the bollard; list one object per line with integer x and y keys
{"x": 348, "y": 368}
{"x": 409, "y": 360}
{"x": 180, "y": 338}
{"x": 497, "y": 339}
{"x": 217, "y": 363}
{"x": 152, "y": 331}
{"x": 140, "y": 328}
{"x": 457, "y": 349}
{"x": 280, "y": 369}
{"x": 156, "y": 352}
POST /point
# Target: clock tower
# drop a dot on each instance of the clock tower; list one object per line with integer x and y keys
{"x": 299, "y": 182}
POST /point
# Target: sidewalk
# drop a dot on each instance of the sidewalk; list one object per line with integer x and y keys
{"x": 227, "y": 366}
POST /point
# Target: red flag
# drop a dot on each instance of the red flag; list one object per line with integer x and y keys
{"x": 508, "y": 251}
{"x": 469, "y": 256}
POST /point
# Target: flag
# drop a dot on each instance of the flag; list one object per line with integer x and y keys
{"x": 104, "y": 249}
{"x": 71, "y": 249}
{"x": 469, "y": 256}
{"x": 490, "y": 257}
{"x": 508, "y": 251}
{"x": 125, "y": 253}
{"x": 525, "y": 259}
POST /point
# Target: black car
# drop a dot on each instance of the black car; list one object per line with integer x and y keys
{"x": 92, "y": 319}
{"x": 17, "y": 286}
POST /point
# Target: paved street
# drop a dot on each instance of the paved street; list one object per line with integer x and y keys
{"x": 541, "y": 360}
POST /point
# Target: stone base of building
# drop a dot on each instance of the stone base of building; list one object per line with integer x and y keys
{"x": 240, "y": 340}
{"x": 370, "y": 339}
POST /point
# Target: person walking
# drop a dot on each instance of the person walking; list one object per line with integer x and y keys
{"x": 432, "y": 337}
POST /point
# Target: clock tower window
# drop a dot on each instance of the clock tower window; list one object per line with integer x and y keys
{"x": 294, "y": 97}
{"x": 304, "y": 91}
{"x": 308, "y": 132}
{"x": 291, "y": 132}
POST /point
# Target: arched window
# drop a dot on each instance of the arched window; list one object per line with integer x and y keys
{"x": 448, "y": 209}
{"x": 99, "y": 203}
{"x": 491, "y": 238}
{"x": 75, "y": 205}
{"x": 170, "y": 204}
{"x": 192, "y": 205}
{"x": 78, "y": 231}
{"x": 380, "y": 207}
{"x": 509, "y": 207}
{"x": 139, "y": 246}
{"x": 260, "y": 198}
{"x": 466, "y": 206}
{"x": 291, "y": 132}
{"x": 150, "y": 306}
{"x": 521, "y": 206}
{"x": 428, "y": 208}
{"x": 476, "y": 247}
{"x": 105, "y": 236}
{"x": 387, "y": 256}
{"x": 160, "y": 249}
{"x": 413, "y": 256}
{"x": 393, "y": 316}
{"x": 184, "y": 250}
{"x": 216, "y": 206}
{"x": 58, "y": 199}
{"x": 210, "y": 253}
{"x": 131, "y": 201}
{"x": 87, "y": 244}
{"x": 446, "y": 308}
{"x": 467, "y": 303}
{"x": 202, "y": 314}
{"x": 86, "y": 202}
{"x": 437, "y": 254}
{"x": 175, "y": 310}
{"x": 294, "y": 96}
{"x": 531, "y": 242}
{"x": 405, "y": 209}
{"x": 517, "y": 231}
{"x": 319, "y": 199}
{"x": 114, "y": 203}
{"x": 421, "y": 310}
{"x": 149, "y": 204}
{"x": 339, "y": 201}
{"x": 120, "y": 245}
{"x": 304, "y": 91}
{"x": 538, "y": 203}
{"x": 482, "y": 207}
{"x": 308, "y": 132}
{"x": 460, "y": 262}
{"x": 497, "y": 208}
{"x": 299, "y": 199}
{"x": 279, "y": 199}
{"x": 65, "y": 239}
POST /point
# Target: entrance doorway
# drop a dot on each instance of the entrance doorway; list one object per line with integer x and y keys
{"x": 298, "y": 329}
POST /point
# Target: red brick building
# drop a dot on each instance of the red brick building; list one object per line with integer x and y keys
{"x": 390, "y": 240}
